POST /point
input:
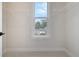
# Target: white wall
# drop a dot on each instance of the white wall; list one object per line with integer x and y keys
{"x": 4, "y": 29}
{"x": 56, "y": 24}
{"x": 19, "y": 18}
{"x": 0, "y": 29}
{"x": 72, "y": 29}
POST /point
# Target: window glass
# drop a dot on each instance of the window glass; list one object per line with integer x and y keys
{"x": 40, "y": 18}
{"x": 40, "y": 9}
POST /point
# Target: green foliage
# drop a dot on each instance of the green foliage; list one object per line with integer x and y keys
{"x": 43, "y": 24}
{"x": 40, "y": 25}
{"x": 37, "y": 25}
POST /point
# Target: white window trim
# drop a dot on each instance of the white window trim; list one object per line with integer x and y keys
{"x": 33, "y": 24}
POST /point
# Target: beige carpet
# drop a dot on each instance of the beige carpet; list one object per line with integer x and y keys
{"x": 36, "y": 54}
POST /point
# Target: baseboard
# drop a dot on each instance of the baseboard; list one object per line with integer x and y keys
{"x": 3, "y": 52}
{"x": 39, "y": 49}
{"x": 34, "y": 49}
{"x": 69, "y": 53}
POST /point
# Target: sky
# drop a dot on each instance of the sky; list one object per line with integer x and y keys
{"x": 40, "y": 9}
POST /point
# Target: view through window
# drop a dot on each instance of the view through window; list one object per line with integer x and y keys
{"x": 40, "y": 18}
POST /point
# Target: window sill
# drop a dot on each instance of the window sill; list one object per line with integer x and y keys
{"x": 40, "y": 36}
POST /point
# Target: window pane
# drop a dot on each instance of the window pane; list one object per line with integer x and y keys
{"x": 40, "y": 26}
{"x": 40, "y": 9}
{"x": 40, "y": 23}
{"x": 40, "y": 18}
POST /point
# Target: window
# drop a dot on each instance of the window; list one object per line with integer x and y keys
{"x": 40, "y": 19}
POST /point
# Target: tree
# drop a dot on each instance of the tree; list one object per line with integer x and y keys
{"x": 37, "y": 25}
{"x": 43, "y": 24}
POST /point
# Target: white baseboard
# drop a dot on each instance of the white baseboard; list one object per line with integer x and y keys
{"x": 4, "y": 51}
{"x": 34, "y": 49}
{"x": 69, "y": 53}
{"x": 38, "y": 49}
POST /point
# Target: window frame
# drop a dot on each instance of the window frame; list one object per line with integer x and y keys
{"x": 33, "y": 31}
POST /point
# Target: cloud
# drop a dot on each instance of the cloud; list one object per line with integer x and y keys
{"x": 41, "y": 9}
